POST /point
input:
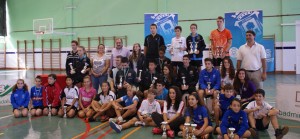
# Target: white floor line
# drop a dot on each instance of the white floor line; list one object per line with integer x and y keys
{"x": 6, "y": 116}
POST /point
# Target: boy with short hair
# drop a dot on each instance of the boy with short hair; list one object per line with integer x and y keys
{"x": 260, "y": 113}
{"x": 162, "y": 92}
{"x": 36, "y": 95}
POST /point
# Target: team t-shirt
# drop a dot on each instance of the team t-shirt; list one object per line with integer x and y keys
{"x": 171, "y": 112}
{"x": 105, "y": 99}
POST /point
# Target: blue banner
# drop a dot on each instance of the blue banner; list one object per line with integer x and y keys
{"x": 166, "y": 22}
{"x": 269, "y": 45}
{"x": 238, "y": 23}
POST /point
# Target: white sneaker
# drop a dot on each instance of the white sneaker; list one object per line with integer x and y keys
{"x": 112, "y": 120}
{"x": 137, "y": 123}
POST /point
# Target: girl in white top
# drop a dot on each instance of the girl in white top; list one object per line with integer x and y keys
{"x": 172, "y": 113}
{"x": 100, "y": 63}
{"x": 69, "y": 98}
{"x": 178, "y": 46}
{"x": 102, "y": 104}
{"x": 227, "y": 72}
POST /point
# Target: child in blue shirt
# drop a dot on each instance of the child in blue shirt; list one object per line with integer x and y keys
{"x": 234, "y": 118}
{"x": 223, "y": 103}
{"x": 197, "y": 114}
{"x": 36, "y": 95}
{"x": 162, "y": 92}
{"x": 20, "y": 99}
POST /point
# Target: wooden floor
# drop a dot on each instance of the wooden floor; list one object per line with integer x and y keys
{"x": 63, "y": 128}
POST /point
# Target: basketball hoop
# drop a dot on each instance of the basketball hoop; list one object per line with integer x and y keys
{"x": 39, "y": 34}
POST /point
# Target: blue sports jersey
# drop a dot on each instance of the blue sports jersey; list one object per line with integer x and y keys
{"x": 239, "y": 121}
{"x": 36, "y": 96}
{"x": 163, "y": 95}
{"x": 198, "y": 115}
{"x": 129, "y": 101}
{"x": 225, "y": 102}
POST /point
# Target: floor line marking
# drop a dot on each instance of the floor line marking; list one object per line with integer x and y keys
{"x": 1, "y": 134}
{"x": 105, "y": 133}
{"x": 6, "y": 116}
{"x": 131, "y": 132}
{"x": 293, "y": 126}
{"x": 87, "y": 129}
{"x": 90, "y": 130}
{"x": 95, "y": 132}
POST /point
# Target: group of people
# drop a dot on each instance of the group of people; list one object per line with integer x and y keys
{"x": 149, "y": 89}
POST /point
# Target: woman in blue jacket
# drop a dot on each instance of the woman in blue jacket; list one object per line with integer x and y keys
{"x": 20, "y": 99}
{"x": 234, "y": 118}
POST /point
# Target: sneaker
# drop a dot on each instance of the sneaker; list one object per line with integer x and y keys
{"x": 215, "y": 130}
{"x": 170, "y": 133}
{"x": 253, "y": 132}
{"x": 115, "y": 127}
{"x": 279, "y": 133}
{"x": 137, "y": 123}
{"x": 157, "y": 131}
{"x": 112, "y": 120}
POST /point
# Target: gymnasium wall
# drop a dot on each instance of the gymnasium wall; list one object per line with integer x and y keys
{"x": 95, "y": 18}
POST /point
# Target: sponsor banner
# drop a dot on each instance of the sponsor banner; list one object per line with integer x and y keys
{"x": 288, "y": 101}
{"x": 269, "y": 45}
{"x": 166, "y": 22}
{"x": 238, "y": 23}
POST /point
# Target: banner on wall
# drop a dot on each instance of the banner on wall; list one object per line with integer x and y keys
{"x": 166, "y": 22}
{"x": 6, "y": 87}
{"x": 289, "y": 107}
{"x": 269, "y": 45}
{"x": 238, "y": 23}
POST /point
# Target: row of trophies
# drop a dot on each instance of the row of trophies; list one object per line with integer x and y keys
{"x": 83, "y": 71}
{"x": 65, "y": 111}
{"x": 190, "y": 135}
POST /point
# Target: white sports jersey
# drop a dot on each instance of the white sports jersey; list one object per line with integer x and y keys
{"x": 70, "y": 94}
{"x": 171, "y": 112}
{"x": 105, "y": 99}
{"x": 149, "y": 108}
{"x": 264, "y": 108}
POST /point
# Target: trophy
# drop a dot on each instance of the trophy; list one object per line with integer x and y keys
{"x": 84, "y": 68}
{"x": 208, "y": 86}
{"x": 153, "y": 81}
{"x": 164, "y": 135}
{"x": 194, "y": 127}
{"x": 191, "y": 50}
{"x": 65, "y": 111}
{"x": 186, "y": 126}
{"x": 49, "y": 110}
{"x": 72, "y": 69}
{"x": 183, "y": 81}
{"x": 121, "y": 80}
{"x": 196, "y": 45}
{"x": 140, "y": 75}
{"x": 219, "y": 51}
{"x": 231, "y": 136}
{"x": 210, "y": 52}
{"x": 172, "y": 50}
{"x": 221, "y": 64}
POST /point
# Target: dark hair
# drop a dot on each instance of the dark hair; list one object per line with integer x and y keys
{"x": 38, "y": 77}
{"x": 237, "y": 100}
{"x": 124, "y": 60}
{"x": 178, "y": 27}
{"x": 162, "y": 49}
{"x": 260, "y": 91}
{"x": 119, "y": 56}
{"x": 194, "y": 24}
{"x": 106, "y": 82}
{"x": 153, "y": 25}
{"x": 15, "y": 87}
{"x": 74, "y": 41}
{"x": 190, "y": 109}
{"x": 135, "y": 55}
{"x": 220, "y": 17}
{"x": 69, "y": 77}
{"x": 231, "y": 69}
{"x": 237, "y": 82}
{"x": 228, "y": 87}
{"x": 170, "y": 75}
{"x": 208, "y": 60}
{"x": 177, "y": 98}
{"x": 52, "y": 75}
{"x": 101, "y": 45}
{"x": 187, "y": 56}
{"x": 152, "y": 61}
{"x": 251, "y": 31}
{"x": 160, "y": 81}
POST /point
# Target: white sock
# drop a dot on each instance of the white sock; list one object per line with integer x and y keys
{"x": 120, "y": 119}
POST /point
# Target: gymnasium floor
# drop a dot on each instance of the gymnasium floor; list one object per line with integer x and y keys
{"x": 56, "y": 128}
